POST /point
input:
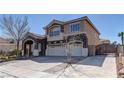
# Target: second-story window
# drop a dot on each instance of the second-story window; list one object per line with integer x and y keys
{"x": 75, "y": 27}
{"x": 55, "y": 31}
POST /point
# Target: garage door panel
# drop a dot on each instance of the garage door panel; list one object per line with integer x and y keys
{"x": 62, "y": 51}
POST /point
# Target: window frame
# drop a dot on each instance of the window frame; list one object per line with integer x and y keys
{"x": 75, "y": 29}
{"x": 54, "y": 31}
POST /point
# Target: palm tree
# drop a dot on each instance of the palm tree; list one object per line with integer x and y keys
{"x": 121, "y": 34}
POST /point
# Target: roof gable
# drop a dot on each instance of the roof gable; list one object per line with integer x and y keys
{"x": 33, "y": 35}
{"x": 83, "y": 18}
{"x": 53, "y": 22}
{"x": 88, "y": 20}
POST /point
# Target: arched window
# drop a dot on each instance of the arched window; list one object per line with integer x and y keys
{"x": 55, "y": 31}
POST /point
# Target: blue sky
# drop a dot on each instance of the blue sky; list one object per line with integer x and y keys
{"x": 108, "y": 24}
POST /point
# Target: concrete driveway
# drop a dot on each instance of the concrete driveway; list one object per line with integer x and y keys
{"x": 95, "y": 66}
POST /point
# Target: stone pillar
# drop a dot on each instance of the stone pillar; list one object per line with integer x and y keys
{"x": 35, "y": 51}
{"x": 33, "y": 46}
{"x": 23, "y": 52}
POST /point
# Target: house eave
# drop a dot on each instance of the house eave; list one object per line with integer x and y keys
{"x": 52, "y": 22}
{"x": 83, "y": 18}
{"x": 34, "y": 36}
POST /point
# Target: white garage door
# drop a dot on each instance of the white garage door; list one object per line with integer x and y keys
{"x": 61, "y": 51}
{"x": 76, "y": 51}
{"x": 58, "y": 51}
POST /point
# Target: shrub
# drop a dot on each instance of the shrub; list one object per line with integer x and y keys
{"x": 8, "y": 56}
{"x": 14, "y": 52}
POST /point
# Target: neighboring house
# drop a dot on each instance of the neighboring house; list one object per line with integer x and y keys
{"x": 33, "y": 45}
{"x": 104, "y": 41}
{"x": 5, "y": 45}
{"x": 105, "y": 47}
{"x": 60, "y": 33}
{"x": 3, "y": 40}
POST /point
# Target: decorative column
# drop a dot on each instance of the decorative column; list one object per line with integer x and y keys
{"x": 35, "y": 52}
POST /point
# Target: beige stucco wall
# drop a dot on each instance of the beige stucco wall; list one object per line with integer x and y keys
{"x": 93, "y": 36}
{"x": 67, "y": 27}
{"x": 87, "y": 28}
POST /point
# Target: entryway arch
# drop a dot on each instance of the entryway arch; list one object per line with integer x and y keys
{"x": 28, "y": 47}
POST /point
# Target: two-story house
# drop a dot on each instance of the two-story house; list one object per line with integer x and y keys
{"x": 79, "y": 36}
